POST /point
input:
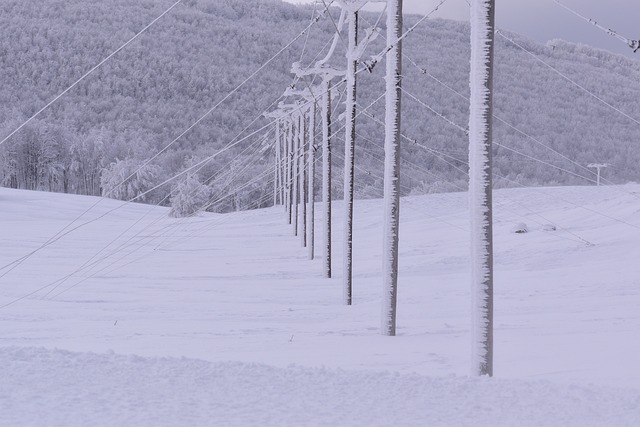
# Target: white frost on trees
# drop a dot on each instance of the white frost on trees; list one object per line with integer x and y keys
{"x": 188, "y": 197}
{"x": 126, "y": 179}
{"x": 480, "y": 194}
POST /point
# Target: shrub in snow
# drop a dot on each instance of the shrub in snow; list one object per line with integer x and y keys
{"x": 188, "y": 197}
{"x": 520, "y": 228}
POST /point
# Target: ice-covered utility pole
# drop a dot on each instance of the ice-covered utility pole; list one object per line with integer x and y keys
{"x": 310, "y": 95}
{"x": 312, "y": 186}
{"x": 354, "y": 53}
{"x": 480, "y": 193}
{"x": 598, "y": 167}
{"x": 326, "y": 172}
{"x": 302, "y": 160}
{"x": 289, "y": 170}
{"x": 296, "y": 171}
{"x": 349, "y": 154}
{"x": 277, "y": 179}
{"x": 327, "y": 74}
{"x": 392, "y": 168}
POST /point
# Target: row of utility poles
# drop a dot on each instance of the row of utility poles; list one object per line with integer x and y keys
{"x": 296, "y": 150}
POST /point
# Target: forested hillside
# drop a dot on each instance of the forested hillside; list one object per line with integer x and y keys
{"x": 157, "y": 87}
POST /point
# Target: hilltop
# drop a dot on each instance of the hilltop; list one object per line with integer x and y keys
{"x": 153, "y": 90}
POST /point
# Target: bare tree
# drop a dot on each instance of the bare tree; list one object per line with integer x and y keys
{"x": 480, "y": 193}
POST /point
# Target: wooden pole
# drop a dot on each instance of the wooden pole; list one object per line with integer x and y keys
{"x": 326, "y": 172}
{"x": 289, "y": 170}
{"x": 392, "y": 168}
{"x": 480, "y": 192}
{"x": 312, "y": 186}
{"x": 276, "y": 164}
{"x": 303, "y": 180}
{"x": 295, "y": 179}
{"x": 349, "y": 157}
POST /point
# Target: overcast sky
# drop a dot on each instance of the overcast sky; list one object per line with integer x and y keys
{"x": 544, "y": 20}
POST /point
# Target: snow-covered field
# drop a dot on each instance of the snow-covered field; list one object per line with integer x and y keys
{"x": 221, "y": 319}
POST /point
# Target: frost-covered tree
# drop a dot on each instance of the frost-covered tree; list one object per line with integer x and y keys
{"x": 128, "y": 179}
{"x": 156, "y": 87}
{"x": 188, "y": 197}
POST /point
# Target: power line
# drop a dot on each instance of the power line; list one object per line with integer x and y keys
{"x": 62, "y": 232}
{"x": 633, "y": 44}
{"x": 564, "y": 76}
{"x": 115, "y": 52}
{"x": 209, "y": 158}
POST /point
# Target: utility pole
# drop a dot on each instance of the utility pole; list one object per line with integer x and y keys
{"x": 392, "y": 168}
{"x": 325, "y": 93}
{"x": 598, "y": 167}
{"x": 312, "y": 185}
{"x": 310, "y": 95}
{"x": 295, "y": 163}
{"x": 302, "y": 159}
{"x": 480, "y": 192}
{"x": 290, "y": 170}
{"x": 282, "y": 167}
{"x": 349, "y": 155}
{"x": 327, "y": 74}
{"x": 326, "y": 172}
{"x": 275, "y": 169}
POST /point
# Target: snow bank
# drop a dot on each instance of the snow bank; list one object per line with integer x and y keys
{"x": 59, "y": 388}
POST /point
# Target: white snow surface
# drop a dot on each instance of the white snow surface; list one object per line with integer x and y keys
{"x": 226, "y": 322}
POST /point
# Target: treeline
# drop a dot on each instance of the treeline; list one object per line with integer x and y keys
{"x": 150, "y": 92}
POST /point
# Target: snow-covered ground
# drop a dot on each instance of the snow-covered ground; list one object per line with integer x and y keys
{"x": 230, "y": 324}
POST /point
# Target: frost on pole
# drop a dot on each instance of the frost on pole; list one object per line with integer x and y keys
{"x": 312, "y": 185}
{"x": 392, "y": 168}
{"x": 349, "y": 157}
{"x": 480, "y": 195}
{"x": 289, "y": 170}
{"x": 294, "y": 178}
{"x": 302, "y": 159}
{"x": 326, "y": 172}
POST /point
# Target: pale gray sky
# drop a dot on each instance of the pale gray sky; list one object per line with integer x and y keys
{"x": 543, "y": 20}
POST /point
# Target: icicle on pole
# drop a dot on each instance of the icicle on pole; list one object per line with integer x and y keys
{"x": 296, "y": 171}
{"x": 276, "y": 164}
{"x": 302, "y": 159}
{"x": 312, "y": 185}
{"x": 289, "y": 168}
{"x": 392, "y": 168}
{"x": 349, "y": 158}
{"x": 326, "y": 172}
{"x": 480, "y": 193}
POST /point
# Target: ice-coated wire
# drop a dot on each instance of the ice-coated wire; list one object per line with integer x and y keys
{"x": 84, "y": 76}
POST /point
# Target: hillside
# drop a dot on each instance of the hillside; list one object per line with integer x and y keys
{"x": 221, "y": 319}
{"x": 153, "y": 90}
